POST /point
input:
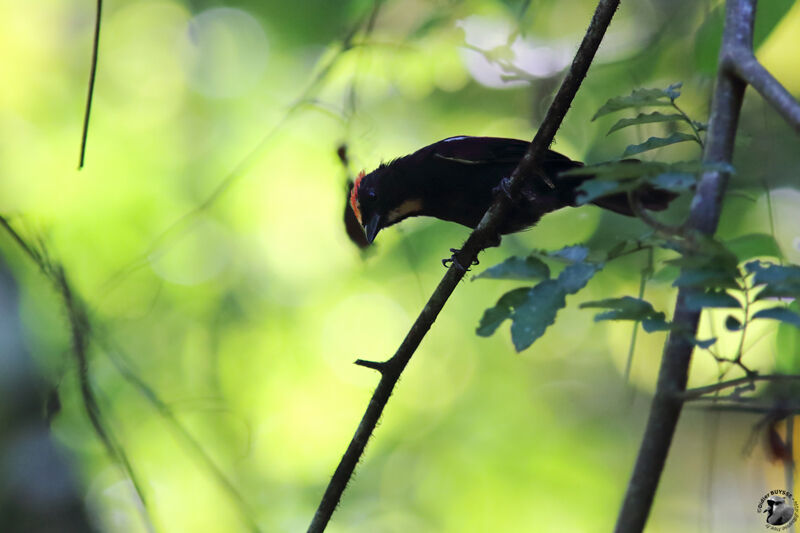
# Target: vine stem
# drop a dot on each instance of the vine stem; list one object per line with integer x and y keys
{"x": 483, "y": 235}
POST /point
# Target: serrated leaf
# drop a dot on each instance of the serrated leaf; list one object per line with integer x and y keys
{"x": 732, "y": 323}
{"x": 573, "y": 253}
{"x": 651, "y": 325}
{"x": 779, "y": 281}
{"x": 674, "y": 181}
{"x": 657, "y": 142}
{"x": 494, "y": 316}
{"x": 754, "y": 245}
{"x": 705, "y": 278}
{"x": 536, "y": 313}
{"x": 591, "y": 190}
{"x": 639, "y": 98}
{"x": 769, "y": 273}
{"x": 624, "y": 308}
{"x": 520, "y": 268}
{"x": 644, "y": 118}
{"x": 780, "y": 313}
{"x": 575, "y": 276}
{"x": 711, "y": 298}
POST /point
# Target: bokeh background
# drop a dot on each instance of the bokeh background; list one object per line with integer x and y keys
{"x": 227, "y": 305}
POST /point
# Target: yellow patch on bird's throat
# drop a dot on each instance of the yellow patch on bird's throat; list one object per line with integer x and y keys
{"x": 407, "y": 208}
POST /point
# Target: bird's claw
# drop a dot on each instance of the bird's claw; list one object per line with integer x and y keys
{"x": 504, "y": 187}
{"x": 453, "y": 259}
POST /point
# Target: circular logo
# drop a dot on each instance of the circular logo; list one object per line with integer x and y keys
{"x": 780, "y": 509}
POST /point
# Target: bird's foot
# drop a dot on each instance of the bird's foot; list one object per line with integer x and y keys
{"x": 504, "y": 187}
{"x": 454, "y": 259}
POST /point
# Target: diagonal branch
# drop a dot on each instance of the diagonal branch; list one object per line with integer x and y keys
{"x": 747, "y": 67}
{"x": 479, "y": 239}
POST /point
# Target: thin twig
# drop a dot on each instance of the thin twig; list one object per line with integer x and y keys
{"x": 90, "y": 90}
{"x": 742, "y": 61}
{"x": 697, "y": 392}
{"x": 480, "y": 238}
{"x": 80, "y": 332}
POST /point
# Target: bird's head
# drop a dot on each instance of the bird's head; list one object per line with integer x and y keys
{"x": 380, "y": 199}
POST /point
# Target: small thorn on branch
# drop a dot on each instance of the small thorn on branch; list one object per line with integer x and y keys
{"x": 380, "y": 366}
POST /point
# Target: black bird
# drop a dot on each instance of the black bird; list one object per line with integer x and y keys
{"x": 455, "y": 179}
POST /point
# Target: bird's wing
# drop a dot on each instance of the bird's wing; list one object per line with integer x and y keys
{"x": 480, "y": 150}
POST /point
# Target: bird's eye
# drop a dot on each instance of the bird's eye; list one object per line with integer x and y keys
{"x": 372, "y": 194}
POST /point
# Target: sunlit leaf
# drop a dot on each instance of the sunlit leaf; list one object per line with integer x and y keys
{"x": 644, "y": 118}
{"x": 754, "y": 245}
{"x": 657, "y": 142}
{"x": 517, "y": 268}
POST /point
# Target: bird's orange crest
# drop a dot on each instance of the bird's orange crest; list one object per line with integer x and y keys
{"x": 354, "y": 197}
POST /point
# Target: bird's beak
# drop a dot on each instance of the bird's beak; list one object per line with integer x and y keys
{"x": 373, "y": 227}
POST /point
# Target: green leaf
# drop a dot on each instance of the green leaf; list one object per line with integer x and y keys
{"x": 769, "y": 273}
{"x": 706, "y": 344}
{"x": 656, "y": 324}
{"x": 640, "y": 98}
{"x": 624, "y": 308}
{"x": 643, "y": 118}
{"x": 494, "y": 316}
{"x": 787, "y": 342}
{"x": 705, "y": 277}
{"x": 780, "y": 281}
{"x": 674, "y": 181}
{"x": 754, "y": 245}
{"x": 573, "y": 253}
{"x": 591, "y": 190}
{"x": 732, "y": 323}
{"x": 657, "y": 142}
{"x": 711, "y": 298}
{"x": 521, "y": 268}
{"x": 575, "y": 277}
{"x": 536, "y": 313}
{"x": 780, "y": 313}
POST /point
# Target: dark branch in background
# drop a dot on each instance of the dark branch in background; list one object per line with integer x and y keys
{"x": 735, "y": 67}
{"x": 82, "y": 331}
{"x": 482, "y": 236}
{"x": 90, "y": 91}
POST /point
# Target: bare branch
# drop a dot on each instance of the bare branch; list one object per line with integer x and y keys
{"x": 483, "y": 235}
{"x": 92, "y": 76}
{"x": 747, "y": 67}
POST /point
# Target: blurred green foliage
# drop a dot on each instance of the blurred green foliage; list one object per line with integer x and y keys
{"x": 205, "y": 236}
